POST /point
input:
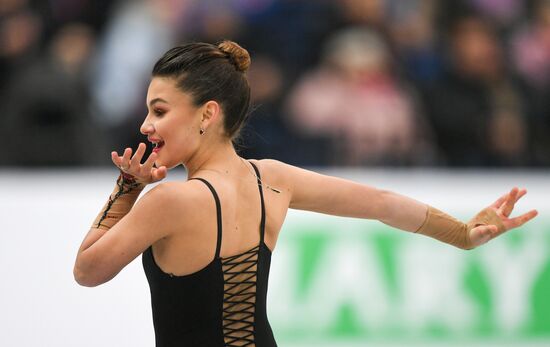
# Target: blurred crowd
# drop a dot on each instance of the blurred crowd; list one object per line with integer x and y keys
{"x": 334, "y": 82}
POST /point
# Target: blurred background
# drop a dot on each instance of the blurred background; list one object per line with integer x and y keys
{"x": 445, "y": 101}
{"x": 362, "y": 83}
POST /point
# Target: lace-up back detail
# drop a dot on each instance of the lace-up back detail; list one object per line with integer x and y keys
{"x": 223, "y": 304}
{"x": 239, "y": 297}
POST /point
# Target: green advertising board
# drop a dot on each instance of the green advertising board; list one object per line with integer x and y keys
{"x": 339, "y": 282}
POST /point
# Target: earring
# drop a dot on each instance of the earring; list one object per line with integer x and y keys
{"x": 201, "y": 131}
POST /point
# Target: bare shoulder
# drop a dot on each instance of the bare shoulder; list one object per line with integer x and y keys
{"x": 173, "y": 197}
{"x": 279, "y": 174}
{"x": 281, "y": 170}
{"x": 272, "y": 169}
{"x": 272, "y": 166}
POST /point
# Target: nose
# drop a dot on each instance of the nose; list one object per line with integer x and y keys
{"x": 147, "y": 127}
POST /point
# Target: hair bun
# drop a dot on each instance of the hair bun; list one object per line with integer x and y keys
{"x": 238, "y": 55}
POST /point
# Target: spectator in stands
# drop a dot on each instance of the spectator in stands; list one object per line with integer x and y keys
{"x": 20, "y": 29}
{"x": 46, "y": 109}
{"x": 413, "y": 33}
{"x": 355, "y": 101}
{"x": 475, "y": 109}
{"x": 531, "y": 56}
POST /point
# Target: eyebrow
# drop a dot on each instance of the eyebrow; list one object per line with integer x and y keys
{"x": 155, "y": 100}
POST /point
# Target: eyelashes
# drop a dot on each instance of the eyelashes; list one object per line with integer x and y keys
{"x": 158, "y": 112}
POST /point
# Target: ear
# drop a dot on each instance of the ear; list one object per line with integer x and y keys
{"x": 211, "y": 111}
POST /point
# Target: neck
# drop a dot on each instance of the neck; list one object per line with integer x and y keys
{"x": 220, "y": 157}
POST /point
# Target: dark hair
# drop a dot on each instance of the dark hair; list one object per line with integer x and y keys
{"x": 211, "y": 72}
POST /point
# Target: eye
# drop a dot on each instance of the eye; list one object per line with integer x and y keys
{"x": 158, "y": 112}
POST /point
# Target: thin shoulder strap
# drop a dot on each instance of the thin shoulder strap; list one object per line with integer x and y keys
{"x": 218, "y": 213}
{"x": 262, "y": 223}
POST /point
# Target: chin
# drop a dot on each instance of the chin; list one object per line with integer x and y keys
{"x": 169, "y": 165}
{"x": 169, "y": 160}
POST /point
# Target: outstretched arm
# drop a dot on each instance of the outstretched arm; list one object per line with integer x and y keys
{"x": 340, "y": 197}
{"x": 330, "y": 195}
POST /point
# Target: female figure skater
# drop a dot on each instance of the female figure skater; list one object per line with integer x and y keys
{"x": 206, "y": 243}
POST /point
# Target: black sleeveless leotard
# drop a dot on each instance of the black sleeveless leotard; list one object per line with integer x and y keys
{"x": 223, "y": 304}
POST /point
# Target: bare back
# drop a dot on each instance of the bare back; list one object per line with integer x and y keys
{"x": 191, "y": 245}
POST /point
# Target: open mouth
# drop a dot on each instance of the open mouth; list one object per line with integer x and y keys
{"x": 157, "y": 146}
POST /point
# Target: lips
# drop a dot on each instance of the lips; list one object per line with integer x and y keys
{"x": 157, "y": 143}
{"x": 157, "y": 146}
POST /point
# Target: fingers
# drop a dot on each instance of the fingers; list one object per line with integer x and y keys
{"x": 159, "y": 174}
{"x": 520, "y": 220}
{"x": 124, "y": 163}
{"x": 145, "y": 172}
{"x": 115, "y": 158}
{"x": 505, "y": 204}
{"x": 521, "y": 193}
{"x": 148, "y": 165}
{"x": 136, "y": 159}
{"x": 508, "y": 204}
{"x": 127, "y": 161}
{"x": 499, "y": 201}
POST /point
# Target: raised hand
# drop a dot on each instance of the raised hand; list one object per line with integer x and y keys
{"x": 131, "y": 165}
{"x": 503, "y": 207}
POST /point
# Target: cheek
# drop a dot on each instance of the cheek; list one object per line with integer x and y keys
{"x": 183, "y": 143}
{"x": 183, "y": 136}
